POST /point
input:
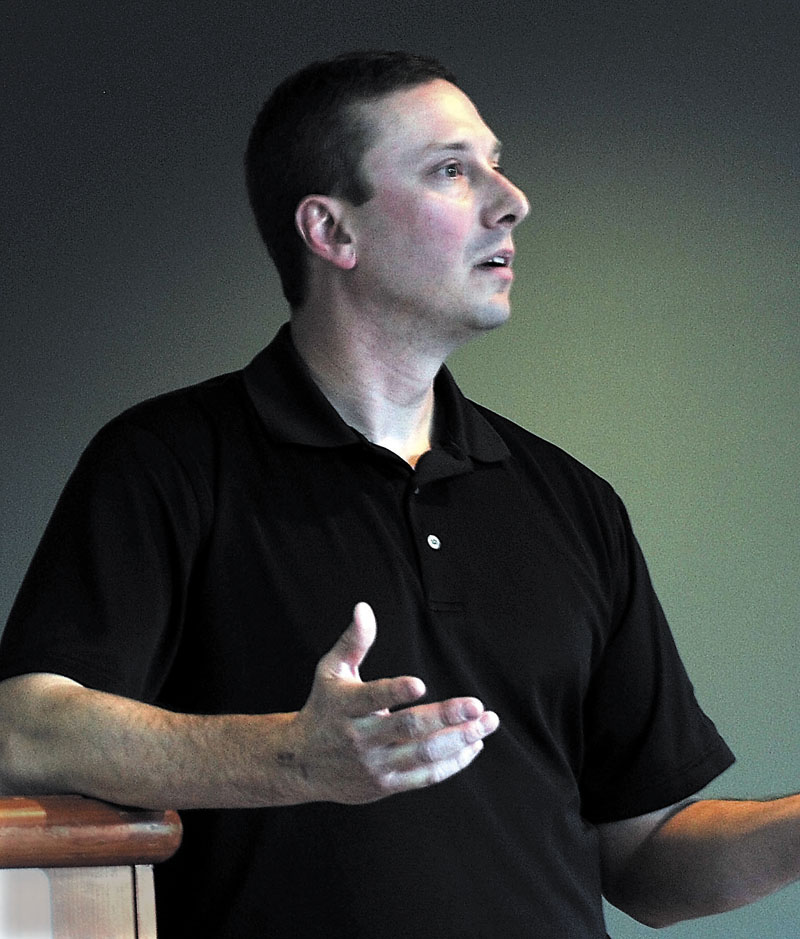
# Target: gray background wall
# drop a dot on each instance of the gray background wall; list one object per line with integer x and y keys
{"x": 655, "y": 332}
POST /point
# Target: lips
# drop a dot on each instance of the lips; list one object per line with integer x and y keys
{"x": 498, "y": 259}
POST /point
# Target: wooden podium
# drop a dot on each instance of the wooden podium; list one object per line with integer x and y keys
{"x": 76, "y": 868}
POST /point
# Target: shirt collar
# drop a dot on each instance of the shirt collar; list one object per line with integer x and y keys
{"x": 293, "y": 408}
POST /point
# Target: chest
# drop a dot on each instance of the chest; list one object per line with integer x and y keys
{"x": 481, "y": 585}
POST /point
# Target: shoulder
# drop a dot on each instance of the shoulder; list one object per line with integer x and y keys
{"x": 173, "y": 442}
{"x": 185, "y": 420}
{"x": 543, "y": 460}
{"x": 571, "y": 497}
{"x": 191, "y": 415}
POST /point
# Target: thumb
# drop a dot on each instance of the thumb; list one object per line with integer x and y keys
{"x": 352, "y": 646}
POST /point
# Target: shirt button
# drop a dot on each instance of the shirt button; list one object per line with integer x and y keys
{"x": 433, "y": 542}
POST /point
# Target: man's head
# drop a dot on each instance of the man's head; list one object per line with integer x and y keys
{"x": 310, "y": 137}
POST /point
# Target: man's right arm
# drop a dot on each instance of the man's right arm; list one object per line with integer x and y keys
{"x": 346, "y": 744}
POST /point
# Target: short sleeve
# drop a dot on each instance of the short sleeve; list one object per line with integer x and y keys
{"x": 103, "y": 598}
{"x": 648, "y": 743}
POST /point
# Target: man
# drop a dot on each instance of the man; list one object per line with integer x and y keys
{"x": 168, "y": 646}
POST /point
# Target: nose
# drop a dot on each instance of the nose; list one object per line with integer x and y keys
{"x": 508, "y": 205}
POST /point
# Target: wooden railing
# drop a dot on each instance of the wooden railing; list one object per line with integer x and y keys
{"x": 76, "y": 868}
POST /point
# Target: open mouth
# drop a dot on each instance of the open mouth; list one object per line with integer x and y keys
{"x": 502, "y": 259}
{"x": 498, "y": 264}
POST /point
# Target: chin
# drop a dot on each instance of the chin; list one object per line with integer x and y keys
{"x": 492, "y": 317}
{"x": 475, "y": 321}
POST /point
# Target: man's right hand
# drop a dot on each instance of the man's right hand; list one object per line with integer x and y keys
{"x": 350, "y": 746}
{"x": 345, "y": 745}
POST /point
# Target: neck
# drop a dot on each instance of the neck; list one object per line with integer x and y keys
{"x": 381, "y": 388}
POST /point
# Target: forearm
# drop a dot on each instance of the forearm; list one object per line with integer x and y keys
{"x": 66, "y": 738}
{"x": 711, "y": 857}
{"x": 351, "y": 742}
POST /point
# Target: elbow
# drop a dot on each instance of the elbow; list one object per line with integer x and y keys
{"x": 647, "y": 909}
{"x": 654, "y": 912}
{"x": 16, "y": 776}
{"x": 23, "y": 762}
{"x": 658, "y": 918}
{"x": 672, "y": 901}
{"x": 12, "y": 781}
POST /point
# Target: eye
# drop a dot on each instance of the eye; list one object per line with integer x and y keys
{"x": 452, "y": 170}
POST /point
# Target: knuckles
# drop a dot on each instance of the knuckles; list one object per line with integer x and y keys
{"x": 407, "y": 724}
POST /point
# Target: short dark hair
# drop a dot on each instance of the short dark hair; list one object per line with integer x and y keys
{"x": 309, "y": 137}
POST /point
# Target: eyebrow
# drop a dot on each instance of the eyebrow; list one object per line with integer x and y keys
{"x": 460, "y": 146}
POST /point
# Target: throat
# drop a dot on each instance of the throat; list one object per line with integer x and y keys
{"x": 411, "y": 450}
{"x": 414, "y": 458}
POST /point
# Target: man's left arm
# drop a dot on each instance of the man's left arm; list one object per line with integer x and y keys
{"x": 699, "y": 858}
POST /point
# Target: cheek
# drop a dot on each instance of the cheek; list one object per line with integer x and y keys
{"x": 427, "y": 231}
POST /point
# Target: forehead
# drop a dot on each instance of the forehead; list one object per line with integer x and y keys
{"x": 414, "y": 121}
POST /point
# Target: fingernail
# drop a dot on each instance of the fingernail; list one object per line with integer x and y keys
{"x": 470, "y": 710}
{"x": 490, "y": 722}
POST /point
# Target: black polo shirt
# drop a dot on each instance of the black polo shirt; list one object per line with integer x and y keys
{"x": 210, "y": 547}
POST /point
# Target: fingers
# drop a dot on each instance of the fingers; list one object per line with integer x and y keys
{"x": 423, "y": 745}
{"x": 351, "y": 648}
{"x": 428, "y": 734}
{"x": 415, "y": 723}
{"x": 431, "y": 758}
{"x": 429, "y": 774}
{"x": 340, "y": 668}
{"x": 380, "y": 696}
{"x": 425, "y": 719}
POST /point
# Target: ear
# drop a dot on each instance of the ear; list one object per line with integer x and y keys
{"x": 319, "y": 220}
